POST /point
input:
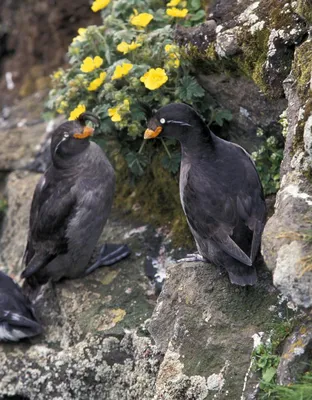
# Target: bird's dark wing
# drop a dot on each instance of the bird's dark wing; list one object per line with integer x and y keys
{"x": 250, "y": 204}
{"x": 52, "y": 207}
{"x": 214, "y": 206}
{"x": 93, "y": 208}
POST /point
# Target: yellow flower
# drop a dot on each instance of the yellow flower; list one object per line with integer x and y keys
{"x": 141, "y": 20}
{"x": 124, "y": 47}
{"x": 114, "y": 113}
{"x": 96, "y": 83}
{"x": 175, "y": 12}
{"x": 58, "y": 74}
{"x": 172, "y": 51}
{"x": 76, "y": 112}
{"x": 81, "y": 35}
{"x": 173, "y": 3}
{"x": 175, "y": 63}
{"x": 154, "y": 78}
{"x": 121, "y": 70}
{"x": 126, "y": 104}
{"x": 61, "y": 107}
{"x": 99, "y": 5}
{"x": 89, "y": 64}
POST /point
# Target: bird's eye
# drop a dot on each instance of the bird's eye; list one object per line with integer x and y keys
{"x": 162, "y": 120}
{"x": 66, "y": 135}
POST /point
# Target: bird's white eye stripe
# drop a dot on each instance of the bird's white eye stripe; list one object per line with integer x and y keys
{"x": 66, "y": 135}
{"x": 162, "y": 120}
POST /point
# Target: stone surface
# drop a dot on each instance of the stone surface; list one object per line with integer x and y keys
{"x": 249, "y": 108}
{"x": 34, "y": 37}
{"x": 204, "y": 326}
{"x": 286, "y": 243}
{"x": 295, "y": 359}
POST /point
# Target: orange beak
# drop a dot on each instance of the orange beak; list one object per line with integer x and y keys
{"x": 150, "y": 134}
{"x": 87, "y": 131}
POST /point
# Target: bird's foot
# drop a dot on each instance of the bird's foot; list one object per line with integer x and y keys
{"x": 109, "y": 254}
{"x": 192, "y": 257}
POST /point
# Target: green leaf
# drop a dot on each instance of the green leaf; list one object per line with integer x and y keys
{"x": 190, "y": 89}
{"x": 221, "y": 116}
{"x": 200, "y": 14}
{"x": 195, "y": 5}
{"x": 172, "y": 164}
{"x": 137, "y": 162}
{"x": 269, "y": 374}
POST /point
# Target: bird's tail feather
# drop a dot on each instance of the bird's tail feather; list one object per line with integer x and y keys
{"x": 243, "y": 276}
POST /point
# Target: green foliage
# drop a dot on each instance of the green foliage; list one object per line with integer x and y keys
{"x": 268, "y": 159}
{"x": 297, "y": 391}
{"x": 266, "y": 355}
{"x": 127, "y": 98}
{"x": 3, "y": 205}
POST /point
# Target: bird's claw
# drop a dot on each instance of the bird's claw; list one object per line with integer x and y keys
{"x": 192, "y": 257}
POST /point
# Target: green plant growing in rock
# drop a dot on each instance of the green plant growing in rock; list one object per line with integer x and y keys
{"x": 268, "y": 159}
{"x": 127, "y": 67}
{"x": 302, "y": 390}
{"x": 266, "y": 356}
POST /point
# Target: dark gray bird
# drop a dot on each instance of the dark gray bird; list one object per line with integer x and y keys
{"x": 220, "y": 191}
{"x": 70, "y": 206}
{"x": 17, "y": 318}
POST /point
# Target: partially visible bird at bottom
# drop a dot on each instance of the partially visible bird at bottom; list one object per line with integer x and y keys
{"x": 70, "y": 207}
{"x": 17, "y": 317}
{"x": 220, "y": 191}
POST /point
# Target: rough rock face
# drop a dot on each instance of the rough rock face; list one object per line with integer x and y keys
{"x": 287, "y": 238}
{"x": 34, "y": 37}
{"x": 204, "y": 326}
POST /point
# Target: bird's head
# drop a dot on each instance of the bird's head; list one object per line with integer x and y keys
{"x": 72, "y": 137}
{"x": 174, "y": 120}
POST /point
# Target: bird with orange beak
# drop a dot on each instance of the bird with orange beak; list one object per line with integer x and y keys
{"x": 220, "y": 192}
{"x": 70, "y": 207}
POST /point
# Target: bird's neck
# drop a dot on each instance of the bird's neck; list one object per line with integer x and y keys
{"x": 69, "y": 163}
{"x": 199, "y": 143}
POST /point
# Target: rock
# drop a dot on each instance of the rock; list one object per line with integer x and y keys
{"x": 204, "y": 326}
{"x": 34, "y": 41}
{"x": 227, "y": 43}
{"x": 295, "y": 359}
{"x": 19, "y": 191}
{"x": 249, "y": 108}
{"x": 286, "y": 244}
{"x": 200, "y": 36}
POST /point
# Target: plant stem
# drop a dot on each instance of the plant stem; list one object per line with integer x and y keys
{"x": 166, "y": 148}
{"x": 142, "y": 146}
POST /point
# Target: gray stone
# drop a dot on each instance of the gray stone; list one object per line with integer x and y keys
{"x": 204, "y": 326}
{"x": 286, "y": 244}
{"x": 295, "y": 359}
{"x": 226, "y": 43}
{"x": 249, "y": 108}
{"x": 20, "y": 186}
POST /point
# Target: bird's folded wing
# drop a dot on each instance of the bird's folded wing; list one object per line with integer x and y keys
{"x": 19, "y": 320}
{"x": 232, "y": 249}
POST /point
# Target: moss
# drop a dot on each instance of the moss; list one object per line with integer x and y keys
{"x": 154, "y": 198}
{"x": 276, "y": 13}
{"x": 304, "y": 9}
{"x": 254, "y": 54}
{"x": 298, "y": 141}
{"x": 302, "y": 67}
{"x": 208, "y": 61}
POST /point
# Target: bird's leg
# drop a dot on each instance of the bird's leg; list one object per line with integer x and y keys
{"x": 109, "y": 254}
{"x": 192, "y": 257}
